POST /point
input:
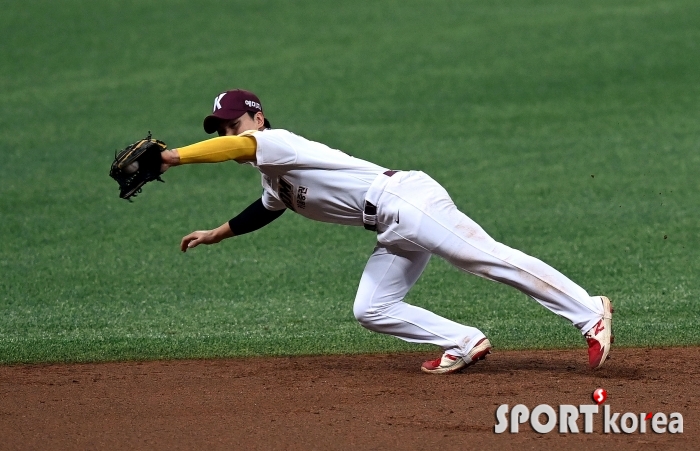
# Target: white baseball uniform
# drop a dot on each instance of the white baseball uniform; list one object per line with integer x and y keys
{"x": 414, "y": 218}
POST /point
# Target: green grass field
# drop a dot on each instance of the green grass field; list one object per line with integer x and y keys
{"x": 569, "y": 130}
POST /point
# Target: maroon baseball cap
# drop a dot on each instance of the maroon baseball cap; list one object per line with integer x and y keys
{"x": 231, "y": 105}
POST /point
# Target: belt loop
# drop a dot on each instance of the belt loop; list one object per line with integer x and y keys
{"x": 369, "y": 215}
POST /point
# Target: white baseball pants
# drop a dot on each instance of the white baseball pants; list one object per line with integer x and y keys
{"x": 417, "y": 218}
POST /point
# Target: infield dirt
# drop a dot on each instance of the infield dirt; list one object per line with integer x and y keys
{"x": 339, "y": 402}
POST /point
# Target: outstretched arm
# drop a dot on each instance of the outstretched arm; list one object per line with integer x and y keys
{"x": 252, "y": 218}
{"x": 215, "y": 150}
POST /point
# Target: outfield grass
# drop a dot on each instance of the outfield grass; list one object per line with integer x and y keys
{"x": 569, "y": 130}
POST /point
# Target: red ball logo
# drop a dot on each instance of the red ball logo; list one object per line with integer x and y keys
{"x": 599, "y": 396}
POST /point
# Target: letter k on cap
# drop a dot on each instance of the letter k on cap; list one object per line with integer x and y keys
{"x": 217, "y": 101}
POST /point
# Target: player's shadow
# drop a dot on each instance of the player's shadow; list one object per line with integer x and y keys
{"x": 545, "y": 362}
{"x": 538, "y": 364}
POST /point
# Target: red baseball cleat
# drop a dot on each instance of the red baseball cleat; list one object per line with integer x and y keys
{"x": 600, "y": 337}
{"x": 449, "y": 363}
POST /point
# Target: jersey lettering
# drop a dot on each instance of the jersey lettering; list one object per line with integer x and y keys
{"x": 301, "y": 196}
{"x": 285, "y": 193}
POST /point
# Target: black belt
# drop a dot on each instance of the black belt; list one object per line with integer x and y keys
{"x": 371, "y": 209}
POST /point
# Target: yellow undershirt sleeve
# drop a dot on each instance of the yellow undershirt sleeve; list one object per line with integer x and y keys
{"x": 216, "y": 150}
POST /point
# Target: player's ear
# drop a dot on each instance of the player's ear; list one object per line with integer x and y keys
{"x": 259, "y": 120}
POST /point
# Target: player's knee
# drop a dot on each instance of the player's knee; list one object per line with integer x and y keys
{"x": 360, "y": 310}
{"x": 364, "y": 315}
{"x": 371, "y": 314}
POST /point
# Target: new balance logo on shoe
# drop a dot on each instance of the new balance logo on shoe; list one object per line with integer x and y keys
{"x": 449, "y": 363}
{"x": 599, "y": 328}
{"x": 600, "y": 337}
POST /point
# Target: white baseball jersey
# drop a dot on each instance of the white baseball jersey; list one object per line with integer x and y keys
{"x": 312, "y": 179}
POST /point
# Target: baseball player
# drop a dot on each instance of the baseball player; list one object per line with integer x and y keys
{"x": 413, "y": 217}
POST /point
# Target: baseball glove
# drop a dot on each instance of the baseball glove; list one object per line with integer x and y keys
{"x": 137, "y": 165}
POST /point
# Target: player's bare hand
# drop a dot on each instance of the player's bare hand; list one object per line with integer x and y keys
{"x": 198, "y": 237}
